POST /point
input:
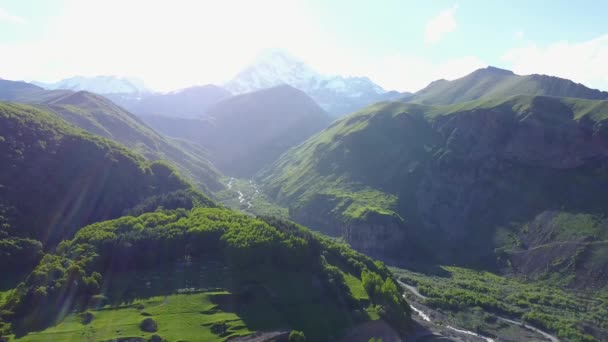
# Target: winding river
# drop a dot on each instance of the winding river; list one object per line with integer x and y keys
{"x": 427, "y": 318}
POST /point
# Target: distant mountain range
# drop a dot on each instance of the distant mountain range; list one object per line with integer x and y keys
{"x": 504, "y": 181}
{"x": 338, "y": 95}
{"x": 246, "y": 132}
{"x": 98, "y": 84}
{"x": 495, "y": 82}
{"x": 191, "y": 102}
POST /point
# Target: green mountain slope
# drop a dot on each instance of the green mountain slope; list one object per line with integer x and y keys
{"x": 246, "y": 132}
{"x": 492, "y": 183}
{"x": 205, "y": 274}
{"x": 494, "y": 82}
{"x": 99, "y": 116}
{"x": 55, "y": 178}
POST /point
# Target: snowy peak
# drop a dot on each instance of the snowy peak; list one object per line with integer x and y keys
{"x": 338, "y": 95}
{"x": 99, "y": 85}
{"x": 272, "y": 68}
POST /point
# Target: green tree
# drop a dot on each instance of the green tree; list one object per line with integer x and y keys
{"x": 296, "y": 336}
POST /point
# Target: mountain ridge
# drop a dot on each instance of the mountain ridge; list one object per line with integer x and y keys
{"x": 338, "y": 95}
{"x": 452, "y": 181}
{"x": 98, "y": 84}
{"x": 495, "y": 82}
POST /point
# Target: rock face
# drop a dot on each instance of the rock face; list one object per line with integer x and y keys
{"x": 377, "y": 236}
{"x": 469, "y": 180}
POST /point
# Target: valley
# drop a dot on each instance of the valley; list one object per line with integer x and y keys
{"x": 172, "y": 173}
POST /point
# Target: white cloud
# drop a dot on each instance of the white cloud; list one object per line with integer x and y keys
{"x": 439, "y": 26}
{"x": 412, "y": 73}
{"x": 168, "y": 44}
{"x": 7, "y": 17}
{"x": 171, "y": 45}
{"x": 584, "y": 62}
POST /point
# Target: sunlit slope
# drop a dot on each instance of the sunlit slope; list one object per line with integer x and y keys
{"x": 208, "y": 272}
{"x": 460, "y": 182}
{"x": 493, "y": 82}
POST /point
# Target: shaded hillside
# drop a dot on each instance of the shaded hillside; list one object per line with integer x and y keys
{"x": 461, "y": 183}
{"x": 56, "y": 178}
{"x": 100, "y": 116}
{"x": 205, "y": 274}
{"x": 191, "y": 102}
{"x": 495, "y": 82}
{"x": 246, "y": 132}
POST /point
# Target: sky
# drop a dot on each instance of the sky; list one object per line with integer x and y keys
{"x": 399, "y": 44}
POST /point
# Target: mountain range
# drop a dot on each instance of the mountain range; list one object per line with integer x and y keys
{"x": 497, "y": 172}
{"x": 338, "y": 95}
{"x": 98, "y": 84}
{"x": 91, "y": 231}
{"x": 492, "y": 183}
{"x": 98, "y": 115}
{"x": 245, "y": 132}
{"x": 495, "y": 82}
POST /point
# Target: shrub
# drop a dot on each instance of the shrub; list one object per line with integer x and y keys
{"x": 148, "y": 325}
{"x": 296, "y": 336}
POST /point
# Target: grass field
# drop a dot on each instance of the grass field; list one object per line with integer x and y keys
{"x": 185, "y": 317}
{"x": 208, "y": 302}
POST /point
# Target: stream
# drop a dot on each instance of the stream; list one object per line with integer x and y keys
{"x": 427, "y": 318}
{"x": 242, "y": 198}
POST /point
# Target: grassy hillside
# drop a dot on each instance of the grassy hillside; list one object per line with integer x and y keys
{"x": 206, "y": 272}
{"x": 56, "y": 178}
{"x": 99, "y": 116}
{"x": 461, "y": 183}
{"x": 246, "y": 132}
{"x": 498, "y": 83}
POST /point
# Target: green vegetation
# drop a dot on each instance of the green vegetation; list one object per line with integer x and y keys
{"x": 474, "y": 183}
{"x": 244, "y": 195}
{"x": 56, "y": 178}
{"x": 100, "y": 116}
{"x": 573, "y": 316}
{"x": 497, "y": 83}
{"x": 279, "y": 274}
{"x": 97, "y": 115}
{"x": 297, "y": 336}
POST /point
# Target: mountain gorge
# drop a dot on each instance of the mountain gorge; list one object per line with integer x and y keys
{"x": 91, "y": 231}
{"x": 245, "y": 132}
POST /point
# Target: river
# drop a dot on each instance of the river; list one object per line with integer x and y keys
{"x": 425, "y": 317}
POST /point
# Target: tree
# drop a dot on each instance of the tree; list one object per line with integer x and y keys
{"x": 296, "y": 336}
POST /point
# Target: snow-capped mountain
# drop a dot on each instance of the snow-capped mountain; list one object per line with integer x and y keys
{"x": 99, "y": 85}
{"x": 338, "y": 95}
